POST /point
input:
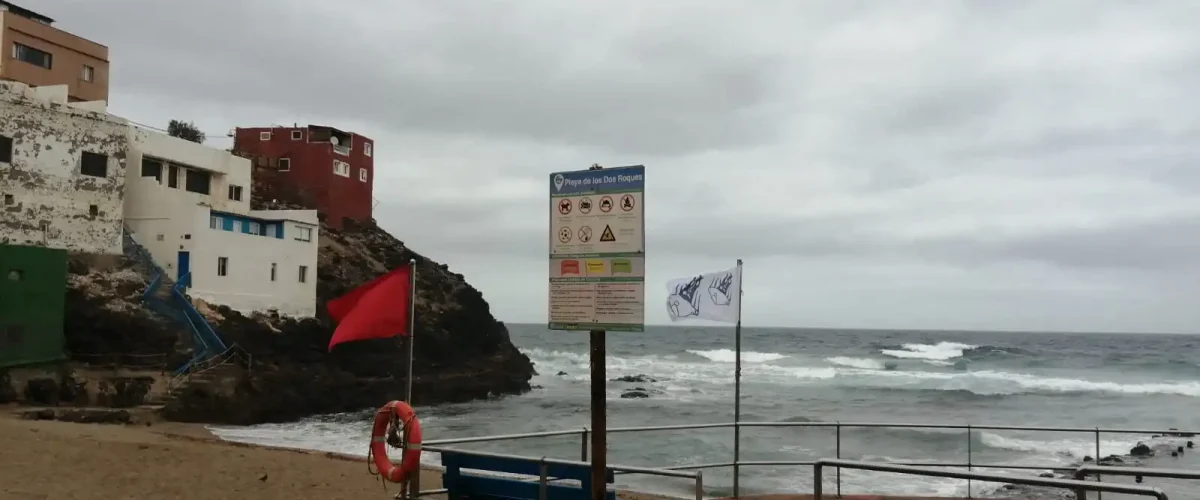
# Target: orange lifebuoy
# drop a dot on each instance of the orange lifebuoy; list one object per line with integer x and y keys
{"x": 410, "y": 461}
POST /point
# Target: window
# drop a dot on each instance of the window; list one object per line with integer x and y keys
{"x": 264, "y": 136}
{"x": 303, "y": 233}
{"x": 235, "y": 193}
{"x": 160, "y": 237}
{"x": 6, "y": 149}
{"x": 152, "y": 168}
{"x": 32, "y": 56}
{"x": 214, "y": 222}
{"x": 197, "y": 181}
{"x": 341, "y": 168}
{"x": 270, "y": 231}
{"x": 173, "y": 176}
{"x": 88, "y": 74}
{"x": 255, "y": 228}
{"x": 285, "y": 164}
{"x": 93, "y": 210}
{"x": 8, "y": 199}
{"x": 93, "y": 164}
{"x": 273, "y": 267}
{"x": 368, "y": 149}
{"x": 222, "y": 266}
{"x": 303, "y": 274}
{"x": 296, "y": 135}
{"x": 362, "y": 174}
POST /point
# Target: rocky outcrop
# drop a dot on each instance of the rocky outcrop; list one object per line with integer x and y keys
{"x": 461, "y": 351}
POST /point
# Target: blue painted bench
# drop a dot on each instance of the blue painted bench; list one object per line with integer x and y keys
{"x": 460, "y": 486}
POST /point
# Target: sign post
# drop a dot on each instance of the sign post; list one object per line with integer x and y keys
{"x": 598, "y": 272}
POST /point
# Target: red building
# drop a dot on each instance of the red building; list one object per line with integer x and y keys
{"x": 326, "y": 168}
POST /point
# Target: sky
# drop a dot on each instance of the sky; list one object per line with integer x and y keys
{"x": 1010, "y": 165}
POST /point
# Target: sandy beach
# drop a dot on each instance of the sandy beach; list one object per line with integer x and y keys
{"x": 42, "y": 460}
{"x": 57, "y": 460}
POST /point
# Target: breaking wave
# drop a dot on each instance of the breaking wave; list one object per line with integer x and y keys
{"x": 683, "y": 376}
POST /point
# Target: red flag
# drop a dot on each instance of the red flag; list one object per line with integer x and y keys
{"x": 376, "y": 309}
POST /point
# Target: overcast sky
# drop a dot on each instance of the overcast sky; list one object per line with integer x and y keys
{"x": 1030, "y": 165}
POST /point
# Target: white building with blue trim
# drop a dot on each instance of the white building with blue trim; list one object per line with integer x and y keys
{"x": 189, "y": 205}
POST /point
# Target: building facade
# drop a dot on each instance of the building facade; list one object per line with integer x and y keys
{"x": 326, "y": 168}
{"x": 189, "y": 206}
{"x": 37, "y": 53}
{"x": 62, "y": 171}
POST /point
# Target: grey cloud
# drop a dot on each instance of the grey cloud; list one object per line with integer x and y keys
{"x": 449, "y": 67}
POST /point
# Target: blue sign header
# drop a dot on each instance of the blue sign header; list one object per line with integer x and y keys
{"x": 619, "y": 179}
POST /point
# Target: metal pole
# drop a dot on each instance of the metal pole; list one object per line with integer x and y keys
{"x": 599, "y": 417}
{"x": 583, "y": 445}
{"x": 737, "y": 388}
{"x": 412, "y": 324}
{"x": 969, "y": 467}
{"x": 838, "y": 452}
{"x": 817, "y": 487}
{"x": 542, "y": 469}
{"x": 1099, "y": 494}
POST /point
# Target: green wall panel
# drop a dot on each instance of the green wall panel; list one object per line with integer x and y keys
{"x": 33, "y": 285}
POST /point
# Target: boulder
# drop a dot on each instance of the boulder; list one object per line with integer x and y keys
{"x": 636, "y": 379}
{"x": 1141, "y": 450}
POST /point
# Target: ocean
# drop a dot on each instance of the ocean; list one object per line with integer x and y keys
{"x": 1118, "y": 381}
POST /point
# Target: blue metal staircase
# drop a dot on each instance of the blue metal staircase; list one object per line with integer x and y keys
{"x": 168, "y": 299}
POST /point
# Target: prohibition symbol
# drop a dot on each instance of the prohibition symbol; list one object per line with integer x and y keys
{"x": 564, "y": 234}
{"x": 564, "y": 206}
{"x": 585, "y": 206}
{"x": 585, "y": 234}
{"x": 607, "y": 235}
{"x": 606, "y": 204}
{"x": 627, "y": 202}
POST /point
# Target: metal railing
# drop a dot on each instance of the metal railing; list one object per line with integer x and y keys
{"x": 837, "y": 428}
{"x": 544, "y": 463}
{"x": 1079, "y": 487}
{"x": 1139, "y": 472}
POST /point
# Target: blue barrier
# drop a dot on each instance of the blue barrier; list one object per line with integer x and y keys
{"x": 461, "y": 486}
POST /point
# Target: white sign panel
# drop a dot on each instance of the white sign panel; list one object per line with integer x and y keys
{"x": 598, "y": 249}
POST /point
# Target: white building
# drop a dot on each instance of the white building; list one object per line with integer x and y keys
{"x": 189, "y": 205}
{"x": 62, "y": 170}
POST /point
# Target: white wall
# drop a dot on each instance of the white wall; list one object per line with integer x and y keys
{"x": 146, "y": 196}
{"x": 51, "y": 201}
{"x": 247, "y": 286}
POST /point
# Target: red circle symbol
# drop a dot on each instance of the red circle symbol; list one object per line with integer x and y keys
{"x": 606, "y": 204}
{"x": 564, "y": 206}
{"x": 627, "y": 202}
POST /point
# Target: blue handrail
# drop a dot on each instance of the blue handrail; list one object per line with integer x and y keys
{"x": 206, "y": 342}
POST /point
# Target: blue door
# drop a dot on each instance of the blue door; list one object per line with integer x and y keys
{"x": 185, "y": 265}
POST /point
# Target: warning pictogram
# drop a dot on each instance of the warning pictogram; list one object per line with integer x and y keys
{"x": 627, "y": 202}
{"x": 606, "y": 204}
{"x": 564, "y": 206}
{"x": 564, "y": 234}
{"x": 585, "y": 206}
{"x": 585, "y": 234}
{"x": 607, "y": 235}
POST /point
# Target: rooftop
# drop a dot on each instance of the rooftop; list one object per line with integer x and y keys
{"x": 23, "y": 12}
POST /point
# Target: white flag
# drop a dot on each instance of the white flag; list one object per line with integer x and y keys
{"x": 713, "y": 296}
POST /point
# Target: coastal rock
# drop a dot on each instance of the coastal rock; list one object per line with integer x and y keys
{"x": 890, "y": 365}
{"x": 461, "y": 353}
{"x": 635, "y": 394}
{"x": 41, "y": 391}
{"x": 636, "y": 379}
{"x": 8, "y": 393}
{"x": 561, "y": 374}
{"x": 1141, "y": 450}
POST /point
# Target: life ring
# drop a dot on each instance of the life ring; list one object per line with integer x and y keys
{"x": 411, "y": 459}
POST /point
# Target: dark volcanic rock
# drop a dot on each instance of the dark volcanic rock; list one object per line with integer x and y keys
{"x": 41, "y": 391}
{"x": 461, "y": 351}
{"x": 635, "y": 394}
{"x": 1141, "y": 450}
{"x": 636, "y": 379}
{"x": 8, "y": 393}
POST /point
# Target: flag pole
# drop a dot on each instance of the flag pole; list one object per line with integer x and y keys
{"x": 412, "y": 324}
{"x": 737, "y": 386}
